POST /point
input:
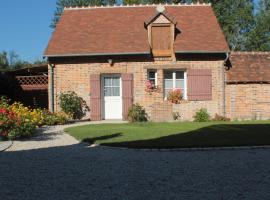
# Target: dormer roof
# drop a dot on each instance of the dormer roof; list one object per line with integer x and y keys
{"x": 158, "y": 13}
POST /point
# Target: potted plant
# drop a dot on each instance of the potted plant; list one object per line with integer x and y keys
{"x": 150, "y": 87}
{"x": 175, "y": 96}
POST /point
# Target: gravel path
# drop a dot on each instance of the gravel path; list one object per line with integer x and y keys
{"x": 51, "y": 136}
{"x": 75, "y": 171}
{"x": 5, "y": 145}
{"x": 48, "y": 137}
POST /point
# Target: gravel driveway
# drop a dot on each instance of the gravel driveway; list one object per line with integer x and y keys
{"x": 47, "y": 170}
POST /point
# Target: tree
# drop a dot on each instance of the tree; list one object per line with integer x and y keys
{"x": 40, "y": 62}
{"x": 61, "y": 4}
{"x": 259, "y": 37}
{"x": 4, "y": 60}
{"x": 13, "y": 58}
{"x": 132, "y": 2}
{"x": 236, "y": 19}
{"x": 264, "y": 5}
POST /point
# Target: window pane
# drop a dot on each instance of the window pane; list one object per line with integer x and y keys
{"x": 180, "y": 84}
{"x": 107, "y": 91}
{"x": 152, "y": 75}
{"x": 179, "y": 75}
{"x": 168, "y": 84}
{"x": 107, "y": 81}
{"x": 116, "y": 91}
{"x": 168, "y": 75}
{"x": 115, "y": 81}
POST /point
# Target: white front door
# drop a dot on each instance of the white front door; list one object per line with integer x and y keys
{"x": 112, "y": 94}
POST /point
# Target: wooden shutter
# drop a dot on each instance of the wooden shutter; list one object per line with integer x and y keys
{"x": 199, "y": 84}
{"x": 95, "y": 100}
{"x": 127, "y": 93}
{"x": 161, "y": 40}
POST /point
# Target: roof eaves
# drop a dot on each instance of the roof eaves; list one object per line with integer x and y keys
{"x": 96, "y": 54}
{"x": 201, "y": 51}
{"x": 127, "y": 53}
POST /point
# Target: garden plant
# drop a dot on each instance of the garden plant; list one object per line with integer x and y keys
{"x": 17, "y": 120}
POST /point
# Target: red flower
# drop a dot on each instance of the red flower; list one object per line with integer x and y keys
{"x": 175, "y": 96}
{"x": 3, "y": 111}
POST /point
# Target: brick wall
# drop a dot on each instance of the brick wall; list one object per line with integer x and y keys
{"x": 248, "y": 101}
{"x": 76, "y": 77}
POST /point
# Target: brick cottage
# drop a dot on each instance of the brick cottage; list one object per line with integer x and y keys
{"x": 107, "y": 55}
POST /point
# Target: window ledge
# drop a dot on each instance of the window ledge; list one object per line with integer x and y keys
{"x": 183, "y": 101}
{"x": 168, "y": 66}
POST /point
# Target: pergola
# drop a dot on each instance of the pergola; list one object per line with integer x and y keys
{"x": 34, "y": 82}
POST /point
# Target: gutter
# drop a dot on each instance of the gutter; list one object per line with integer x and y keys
{"x": 128, "y": 53}
{"x": 202, "y": 52}
{"x": 52, "y": 87}
{"x": 224, "y": 85}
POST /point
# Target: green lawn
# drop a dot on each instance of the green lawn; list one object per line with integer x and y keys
{"x": 175, "y": 135}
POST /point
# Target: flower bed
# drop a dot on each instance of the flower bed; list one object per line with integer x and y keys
{"x": 18, "y": 121}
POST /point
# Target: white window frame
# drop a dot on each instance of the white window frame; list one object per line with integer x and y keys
{"x": 148, "y": 78}
{"x": 174, "y": 82}
{"x": 104, "y": 87}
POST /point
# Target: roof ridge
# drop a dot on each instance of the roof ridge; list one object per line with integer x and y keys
{"x": 135, "y": 5}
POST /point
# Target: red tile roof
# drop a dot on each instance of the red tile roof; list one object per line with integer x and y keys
{"x": 249, "y": 67}
{"x": 120, "y": 30}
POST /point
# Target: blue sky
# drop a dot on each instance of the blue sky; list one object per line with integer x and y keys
{"x": 25, "y": 26}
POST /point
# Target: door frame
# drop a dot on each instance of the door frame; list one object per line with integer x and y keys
{"x": 102, "y": 93}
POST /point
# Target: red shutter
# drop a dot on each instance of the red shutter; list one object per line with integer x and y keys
{"x": 95, "y": 100}
{"x": 199, "y": 84}
{"x": 127, "y": 93}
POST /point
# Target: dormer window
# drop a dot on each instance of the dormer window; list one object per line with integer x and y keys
{"x": 161, "y": 33}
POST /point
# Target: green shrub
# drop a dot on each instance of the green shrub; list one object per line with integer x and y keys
{"x": 73, "y": 105}
{"x": 17, "y": 120}
{"x": 57, "y": 118}
{"x": 202, "y": 115}
{"x": 176, "y": 115}
{"x": 4, "y": 102}
{"x": 25, "y": 129}
{"x": 219, "y": 118}
{"x": 137, "y": 114}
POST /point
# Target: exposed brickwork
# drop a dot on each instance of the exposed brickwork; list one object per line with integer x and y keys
{"x": 76, "y": 77}
{"x": 248, "y": 88}
{"x": 248, "y": 101}
{"x": 243, "y": 101}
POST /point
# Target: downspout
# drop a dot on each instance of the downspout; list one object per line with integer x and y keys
{"x": 224, "y": 85}
{"x": 52, "y": 87}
